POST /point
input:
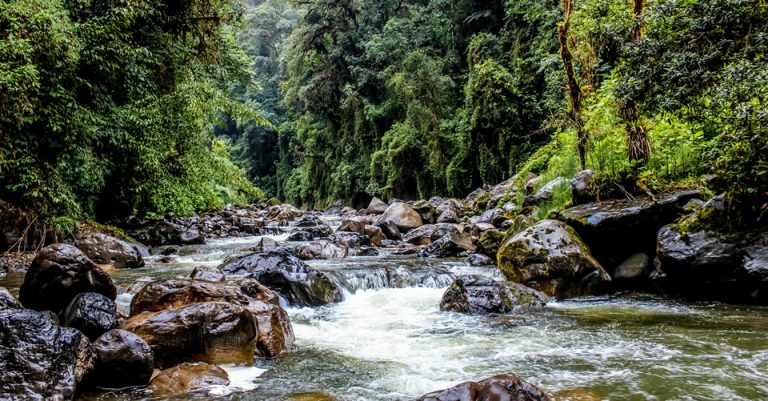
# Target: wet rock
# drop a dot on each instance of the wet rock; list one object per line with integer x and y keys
{"x": 502, "y": 387}
{"x": 546, "y": 192}
{"x": 349, "y": 239}
{"x": 482, "y": 295}
{"x": 275, "y": 332}
{"x": 389, "y": 229}
{"x": 265, "y": 244}
{"x": 256, "y": 290}
{"x": 212, "y": 332}
{"x": 426, "y": 210}
{"x": 58, "y": 274}
{"x": 285, "y": 273}
{"x": 123, "y": 359}
{"x": 355, "y": 225}
{"x": 429, "y": 233}
{"x": 167, "y": 294}
{"x": 401, "y": 215}
{"x": 314, "y": 226}
{"x": 283, "y": 213}
{"x": 299, "y": 236}
{"x": 551, "y": 258}
{"x": 477, "y": 200}
{"x": 364, "y": 251}
{"x": 713, "y": 266}
{"x": 449, "y": 211}
{"x": 607, "y": 226}
{"x": 634, "y": 268}
{"x": 8, "y": 301}
{"x": 492, "y": 216}
{"x": 450, "y": 245}
{"x": 108, "y": 250}
{"x": 187, "y": 378}
{"x": 208, "y": 273}
{"x": 333, "y": 251}
{"x": 377, "y": 206}
{"x": 91, "y": 313}
{"x": 40, "y": 361}
{"x": 169, "y": 250}
{"x": 582, "y": 188}
{"x": 490, "y": 241}
{"x": 477, "y": 259}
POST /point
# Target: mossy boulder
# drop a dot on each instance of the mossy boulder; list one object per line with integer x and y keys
{"x": 551, "y": 258}
{"x": 490, "y": 241}
{"x": 476, "y": 294}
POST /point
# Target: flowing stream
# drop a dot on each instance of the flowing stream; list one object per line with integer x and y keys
{"x": 388, "y": 340}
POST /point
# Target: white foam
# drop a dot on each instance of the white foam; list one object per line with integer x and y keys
{"x": 241, "y": 379}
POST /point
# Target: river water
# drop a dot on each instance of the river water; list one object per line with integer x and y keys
{"x": 384, "y": 343}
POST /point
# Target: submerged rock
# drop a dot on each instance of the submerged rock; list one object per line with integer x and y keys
{"x": 40, "y": 361}
{"x": 482, "y": 295}
{"x": 58, "y": 274}
{"x": 213, "y": 332}
{"x": 551, "y": 258}
{"x": 187, "y": 378}
{"x": 91, "y": 313}
{"x": 108, "y": 250}
{"x": 123, "y": 359}
{"x": 502, "y": 387}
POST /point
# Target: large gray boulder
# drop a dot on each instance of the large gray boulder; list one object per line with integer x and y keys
{"x": 377, "y": 206}
{"x": 401, "y": 215}
{"x": 551, "y": 258}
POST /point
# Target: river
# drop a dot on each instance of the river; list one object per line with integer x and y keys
{"x": 384, "y": 343}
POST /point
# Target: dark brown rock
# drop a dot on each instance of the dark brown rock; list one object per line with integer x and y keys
{"x": 105, "y": 249}
{"x": 187, "y": 378}
{"x": 498, "y": 388}
{"x": 123, "y": 359}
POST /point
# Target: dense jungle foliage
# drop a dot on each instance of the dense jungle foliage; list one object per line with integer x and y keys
{"x": 113, "y": 107}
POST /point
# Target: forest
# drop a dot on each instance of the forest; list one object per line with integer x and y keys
{"x": 113, "y": 108}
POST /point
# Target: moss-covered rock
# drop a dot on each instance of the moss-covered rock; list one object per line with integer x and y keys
{"x": 482, "y": 295}
{"x": 551, "y": 258}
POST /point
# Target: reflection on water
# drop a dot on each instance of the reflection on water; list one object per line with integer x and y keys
{"x": 394, "y": 344}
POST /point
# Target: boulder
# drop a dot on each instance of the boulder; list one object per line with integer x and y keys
{"x": 212, "y": 332}
{"x": 401, "y": 215}
{"x": 265, "y": 244}
{"x": 107, "y": 250}
{"x": 123, "y": 359}
{"x": 478, "y": 199}
{"x": 449, "y": 245}
{"x": 187, "y": 378}
{"x": 492, "y": 216}
{"x": 477, "y": 259}
{"x": 8, "y": 301}
{"x": 709, "y": 265}
{"x": 502, "y": 387}
{"x": 355, "y": 225}
{"x": 275, "y": 330}
{"x": 349, "y": 239}
{"x": 377, "y": 206}
{"x": 39, "y": 360}
{"x": 91, "y": 313}
{"x": 427, "y": 210}
{"x": 167, "y": 233}
{"x": 364, "y": 251}
{"x": 283, "y": 213}
{"x": 256, "y": 290}
{"x": 449, "y": 211}
{"x": 607, "y": 227}
{"x": 582, "y": 188}
{"x": 285, "y": 273}
{"x": 490, "y": 241}
{"x": 429, "y": 233}
{"x": 551, "y": 258}
{"x": 58, "y": 274}
{"x": 547, "y": 192}
{"x": 374, "y": 234}
{"x": 482, "y": 295}
{"x": 167, "y": 294}
{"x": 299, "y": 236}
{"x": 207, "y": 273}
{"x": 314, "y": 226}
{"x": 389, "y": 229}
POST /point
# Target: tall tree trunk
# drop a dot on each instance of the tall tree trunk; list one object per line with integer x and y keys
{"x": 573, "y": 88}
{"x": 638, "y": 147}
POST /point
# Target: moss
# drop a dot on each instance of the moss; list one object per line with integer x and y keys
{"x": 92, "y": 227}
{"x": 490, "y": 241}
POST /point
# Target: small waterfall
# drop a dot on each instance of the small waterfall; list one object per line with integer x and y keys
{"x": 373, "y": 278}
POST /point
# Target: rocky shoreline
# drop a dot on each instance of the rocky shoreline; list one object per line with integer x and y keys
{"x": 177, "y": 331}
